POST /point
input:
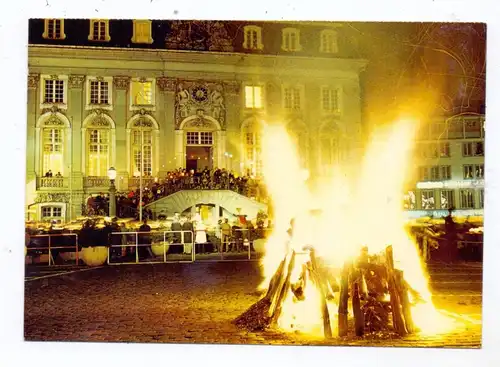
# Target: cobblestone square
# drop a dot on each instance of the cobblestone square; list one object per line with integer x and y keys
{"x": 196, "y": 303}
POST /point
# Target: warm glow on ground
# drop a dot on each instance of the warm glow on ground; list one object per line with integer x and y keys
{"x": 367, "y": 212}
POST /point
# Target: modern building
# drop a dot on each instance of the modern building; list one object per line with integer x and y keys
{"x": 147, "y": 97}
{"x": 449, "y": 168}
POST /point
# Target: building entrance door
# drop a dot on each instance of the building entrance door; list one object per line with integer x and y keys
{"x": 198, "y": 158}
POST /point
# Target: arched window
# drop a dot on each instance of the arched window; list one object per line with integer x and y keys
{"x": 98, "y": 153}
{"x": 142, "y": 151}
{"x": 53, "y": 150}
{"x": 328, "y": 147}
{"x": 252, "y": 149}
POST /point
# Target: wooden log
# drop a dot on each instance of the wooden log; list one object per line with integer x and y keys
{"x": 344, "y": 296}
{"x": 275, "y": 281}
{"x": 279, "y": 282}
{"x": 405, "y": 301}
{"x": 397, "y": 313}
{"x": 323, "y": 288}
{"x": 281, "y": 295}
{"x": 359, "y": 320}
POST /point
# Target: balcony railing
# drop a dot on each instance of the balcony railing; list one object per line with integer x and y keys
{"x": 52, "y": 182}
{"x": 134, "y": 182}
{"x": 96, "y": 181}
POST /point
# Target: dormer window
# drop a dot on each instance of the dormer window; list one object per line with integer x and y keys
{"x": 291, "y": 39}
{"x": 142, "y": 31}
{"x": 99, "y": 30}
{"x": 253, "y": 37}
{"x": 328, "y": 42}
{"x": 54, "y": 29}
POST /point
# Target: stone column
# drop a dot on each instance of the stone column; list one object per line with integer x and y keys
{"x": 121, "y": 84}
{"x": 180, "y": 148}
{"x": 166, "y": 111}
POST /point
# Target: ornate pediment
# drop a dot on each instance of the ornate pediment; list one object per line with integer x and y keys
{"x": 199, "y": 98}
{"x": 100, "y": 119}
{"x": 203, "y": 35}
{"x": 53, "y": 119}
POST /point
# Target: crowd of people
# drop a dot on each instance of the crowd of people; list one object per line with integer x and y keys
{"x": 179, "y": 179}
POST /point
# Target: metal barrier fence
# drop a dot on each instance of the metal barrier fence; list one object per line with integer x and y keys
{"x": 53, "y": 246}
{"x": 134, "y": 247}
{"x": 130, "y": 247}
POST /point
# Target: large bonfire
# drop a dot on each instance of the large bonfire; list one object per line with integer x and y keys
{"x": 341, "y": 241}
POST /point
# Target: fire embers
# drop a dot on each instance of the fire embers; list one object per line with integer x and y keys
{"x": 376, "y": 314}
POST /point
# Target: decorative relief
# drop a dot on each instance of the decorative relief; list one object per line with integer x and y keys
{"x": 76, "y": 81}
{"x": 143, "y": 122}
{"x": 200, "y": 35}
{"x": 33, "y": 80}
{"x": 99, "y": 119}
{"x": 121, "y": 82}
{"x": 166, "y": 84}
{"x": 53, "y": 120}
{"x": 57, "y": 197}
{"x": 199, "y": 98}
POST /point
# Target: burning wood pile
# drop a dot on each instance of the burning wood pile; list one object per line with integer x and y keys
{"x": 379, "y": 294}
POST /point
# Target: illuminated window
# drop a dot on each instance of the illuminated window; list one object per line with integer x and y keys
{"x": 142, "y": 31}
{"x": 428, "y": 201}
{"x": 142, "y": 152}
{"x": 98, "y": 152}
{"x": 53, "y": 144}
{"x": 468, "y": 171}
{"x": 54, "y": 29}
{"x": 467, "y": 199}
{"x": 252, "y": 37}
{"x": 481, "y": 198}
{"x": 330, "y": 100}
{"x": 99, "y": 30}
{"x": 291, "y": 39}
{"x": 292, "y": 98}
{"x": 447, "y": 199}
{"x": 468, "y": 149}
{"x": 328, "y": 41}
{"x": 53, "y": 91}
{"x": 99, "y": 92}
{"x": 253, "y": 97}
{"x": 141, "y": 92}
{"x": 445, "y": 172}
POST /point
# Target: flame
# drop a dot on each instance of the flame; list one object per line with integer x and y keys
{"x": 366, "y": 212}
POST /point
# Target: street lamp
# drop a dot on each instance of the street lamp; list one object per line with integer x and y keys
{"x": 112, "y": 192}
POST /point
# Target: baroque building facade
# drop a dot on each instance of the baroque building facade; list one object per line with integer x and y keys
{"x": 147, "y": 97}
